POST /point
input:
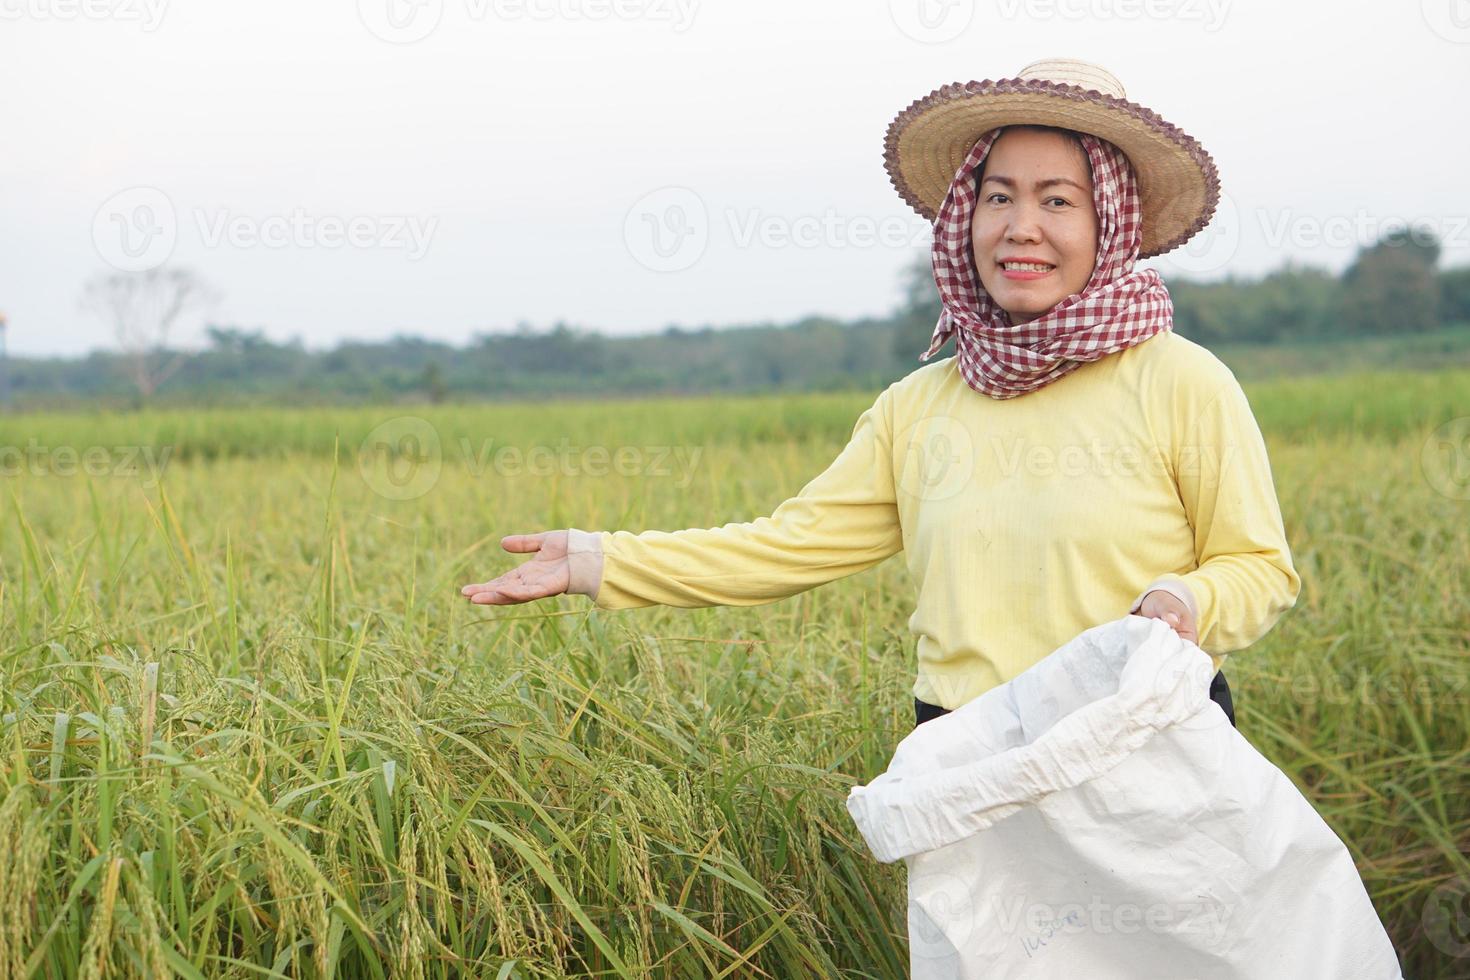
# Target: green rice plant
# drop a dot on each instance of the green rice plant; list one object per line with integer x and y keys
{"x": 251, "y": 729}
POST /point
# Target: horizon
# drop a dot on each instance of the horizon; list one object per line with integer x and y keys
{"x": 358, "y": 177}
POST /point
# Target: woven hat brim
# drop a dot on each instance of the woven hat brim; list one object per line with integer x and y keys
{"x": 926, "y": 143}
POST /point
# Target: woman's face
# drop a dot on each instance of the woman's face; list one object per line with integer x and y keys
{"x": 1035, "y": 203}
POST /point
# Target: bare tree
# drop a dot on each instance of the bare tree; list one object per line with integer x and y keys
{"x": 143, "y": 308}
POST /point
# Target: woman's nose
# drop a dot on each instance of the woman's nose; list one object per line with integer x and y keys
{"x": 1024, "y": 226}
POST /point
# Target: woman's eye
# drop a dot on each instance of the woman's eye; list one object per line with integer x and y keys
{"x": 991, "y": 199}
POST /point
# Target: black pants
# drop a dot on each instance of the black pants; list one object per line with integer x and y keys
{"x": 1219, "y": 693}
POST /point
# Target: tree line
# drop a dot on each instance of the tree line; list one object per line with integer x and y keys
{"x": 1392, "y": 287}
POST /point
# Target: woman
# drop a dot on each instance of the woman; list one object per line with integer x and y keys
{"x": 1074, "y": 461}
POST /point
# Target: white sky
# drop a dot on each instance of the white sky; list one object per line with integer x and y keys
{"x": 520, "y": 140}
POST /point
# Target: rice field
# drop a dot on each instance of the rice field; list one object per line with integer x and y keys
{"x": 250, "y": 728}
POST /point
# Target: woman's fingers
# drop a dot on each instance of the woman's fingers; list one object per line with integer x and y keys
{"x": 522, "y": 543}
{"x": 492, "y": 596}
{"x": 509, "y": 588}
{"x": 544, "y": 575}
{"x": 515, "y": 543}
{"x": 533, "y": 580}
{"x": 494, "y": 585}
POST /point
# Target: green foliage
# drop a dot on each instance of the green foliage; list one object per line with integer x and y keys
{"x": 1392, "y": 288}
{"x": 1292, "y": 302}
{"x": 250, "y": 728}
{"x": 1391, "y": 291}
{"x": 1454, "y": 295}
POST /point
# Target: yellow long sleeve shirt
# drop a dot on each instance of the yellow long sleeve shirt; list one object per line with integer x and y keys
{"x": 1023, "y": 521}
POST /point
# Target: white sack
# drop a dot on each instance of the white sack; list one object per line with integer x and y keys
{"x": 1099, "y": 817}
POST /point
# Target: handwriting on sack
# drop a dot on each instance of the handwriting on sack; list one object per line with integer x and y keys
{"x": 1048, "y": 931}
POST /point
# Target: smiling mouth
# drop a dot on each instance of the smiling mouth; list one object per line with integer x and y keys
{"x": 1025, "y": 266}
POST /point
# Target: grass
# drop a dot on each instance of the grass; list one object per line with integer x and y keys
{"x": 250, "y": 728}
{"x": 1432, "y": 350}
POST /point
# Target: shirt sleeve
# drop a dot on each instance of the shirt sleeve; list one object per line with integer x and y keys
{"x": 1245, "y": 580}
{"x": 841, "y": 523}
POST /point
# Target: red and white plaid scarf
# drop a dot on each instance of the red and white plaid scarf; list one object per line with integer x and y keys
{"x": 1118, "y": 308}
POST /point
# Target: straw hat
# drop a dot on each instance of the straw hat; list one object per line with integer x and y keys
{"x": 928, "y": 141}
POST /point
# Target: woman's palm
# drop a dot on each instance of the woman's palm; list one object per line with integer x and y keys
{"x": 546, "y": 574}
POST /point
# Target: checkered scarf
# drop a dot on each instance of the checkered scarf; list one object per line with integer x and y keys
{"x": 1118, "y": 308}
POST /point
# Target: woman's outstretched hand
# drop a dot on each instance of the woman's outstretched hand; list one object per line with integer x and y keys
{"x": 547, "y": 574}
{"x": 1159, "y": 604}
